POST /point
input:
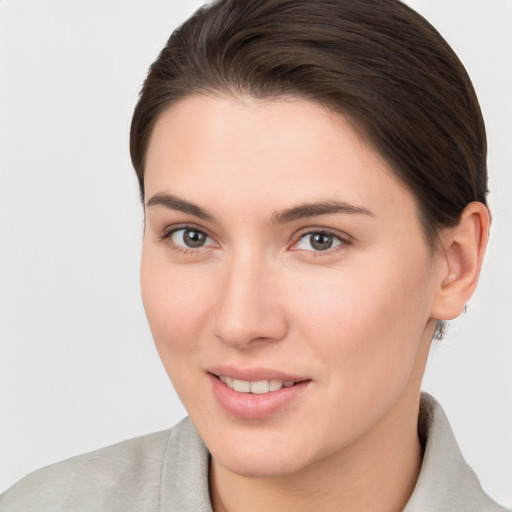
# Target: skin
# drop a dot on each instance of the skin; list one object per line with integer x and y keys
{"x": 356, "y": 319}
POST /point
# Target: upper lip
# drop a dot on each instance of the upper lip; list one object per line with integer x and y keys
{"x": 254, "y": 373}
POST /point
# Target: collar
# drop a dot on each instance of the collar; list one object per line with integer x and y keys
{"x": 445, "y": 484}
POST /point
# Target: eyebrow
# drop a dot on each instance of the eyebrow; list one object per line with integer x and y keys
{"x": 302, "y": 211}
{"x": 175, "y": 203}
{"x": 309, "y": 210}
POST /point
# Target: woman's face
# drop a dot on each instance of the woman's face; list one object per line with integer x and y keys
{"x": 278, "y": 250}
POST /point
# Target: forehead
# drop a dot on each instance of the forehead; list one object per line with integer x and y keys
{"x": 266, "y": 153}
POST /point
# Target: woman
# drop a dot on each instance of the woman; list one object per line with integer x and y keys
{"x": 314, "y": 185}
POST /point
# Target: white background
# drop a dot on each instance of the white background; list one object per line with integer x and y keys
{"x": 78, "y": 369}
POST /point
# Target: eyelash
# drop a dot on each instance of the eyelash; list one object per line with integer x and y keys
{"x": 343, "y": 239}
{"x": 168, "y": 232}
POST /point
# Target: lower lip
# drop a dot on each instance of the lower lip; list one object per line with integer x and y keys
{"x": 252, "y": 406}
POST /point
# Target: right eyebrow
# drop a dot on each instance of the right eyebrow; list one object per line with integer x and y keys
{"x": 175, "y": 203}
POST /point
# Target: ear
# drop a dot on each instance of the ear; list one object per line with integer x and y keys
{"x": 461, "y": 260}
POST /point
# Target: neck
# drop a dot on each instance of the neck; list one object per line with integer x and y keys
{"x": 378, "y": 472}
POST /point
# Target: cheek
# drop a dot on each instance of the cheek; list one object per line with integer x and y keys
{"x": 367, "y": 321}
{"x": 176, "y": 302}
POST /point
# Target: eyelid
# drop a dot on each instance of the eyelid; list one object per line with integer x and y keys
{"x": 343, "y": 237}
{"x": 168, "y": 231}
{"x": 172, "y": 228}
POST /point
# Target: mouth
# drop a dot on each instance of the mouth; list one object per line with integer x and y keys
{"x": 260, "y": 394}
{"x": 257, "y": 387}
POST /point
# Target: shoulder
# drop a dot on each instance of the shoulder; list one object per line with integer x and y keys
{"x": 122, "y": 477}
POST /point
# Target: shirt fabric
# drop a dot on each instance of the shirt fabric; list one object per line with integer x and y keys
{"x": 168, "y": 472}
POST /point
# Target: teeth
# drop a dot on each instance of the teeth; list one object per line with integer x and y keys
{"x": 260, "y": 386}
{"x": 274, "y": 385}
{"x": 243, "y": 386}
{"x": 257, "y": 387}
{"x": 227, "y": 380}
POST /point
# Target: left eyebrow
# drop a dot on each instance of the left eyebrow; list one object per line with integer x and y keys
{"x": 308, "y": 210}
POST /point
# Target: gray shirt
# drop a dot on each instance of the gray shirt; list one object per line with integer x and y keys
{"x": 168, "y": 471}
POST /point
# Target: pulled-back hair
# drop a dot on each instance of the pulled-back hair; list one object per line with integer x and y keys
{"x": 376, "y": 62}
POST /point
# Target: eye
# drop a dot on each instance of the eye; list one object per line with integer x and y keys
{"x": 190, "y": 238}
{"x": 318, "y": 241}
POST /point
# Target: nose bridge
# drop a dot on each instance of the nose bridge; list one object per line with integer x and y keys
{"x": 248, "y": 309}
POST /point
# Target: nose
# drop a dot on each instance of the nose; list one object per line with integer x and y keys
{"x": 249, "y": 311}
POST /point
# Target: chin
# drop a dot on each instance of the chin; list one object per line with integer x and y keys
{"x": 264, "y": 453}
{"x": 261, "y": 465}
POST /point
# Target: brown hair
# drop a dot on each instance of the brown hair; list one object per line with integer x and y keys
{"x": 376, "y": 62}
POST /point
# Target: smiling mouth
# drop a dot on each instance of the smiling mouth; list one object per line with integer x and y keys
{"x": 257, "y": 387}
{"x": 257, "y": 398}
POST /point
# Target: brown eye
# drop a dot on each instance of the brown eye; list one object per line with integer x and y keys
{"x": 190, "y": 238}
{"x": 193, "y": 238}
{"x": 321, "y": 241}
{"x": 318, "y": 241}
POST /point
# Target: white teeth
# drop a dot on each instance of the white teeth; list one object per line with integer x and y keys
{"x": 242, "y": 385}
{"x": 274, "y": 385}
{"x": 227, "y": 380}
{"x": 258, "y": 387}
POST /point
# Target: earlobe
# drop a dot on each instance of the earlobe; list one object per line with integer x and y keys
{"x": 463, "y": 252}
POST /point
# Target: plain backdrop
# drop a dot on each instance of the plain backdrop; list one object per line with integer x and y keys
{"x": 78, "y": 367}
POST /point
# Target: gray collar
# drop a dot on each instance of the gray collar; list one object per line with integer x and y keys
{"x": 446, "y": 483}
